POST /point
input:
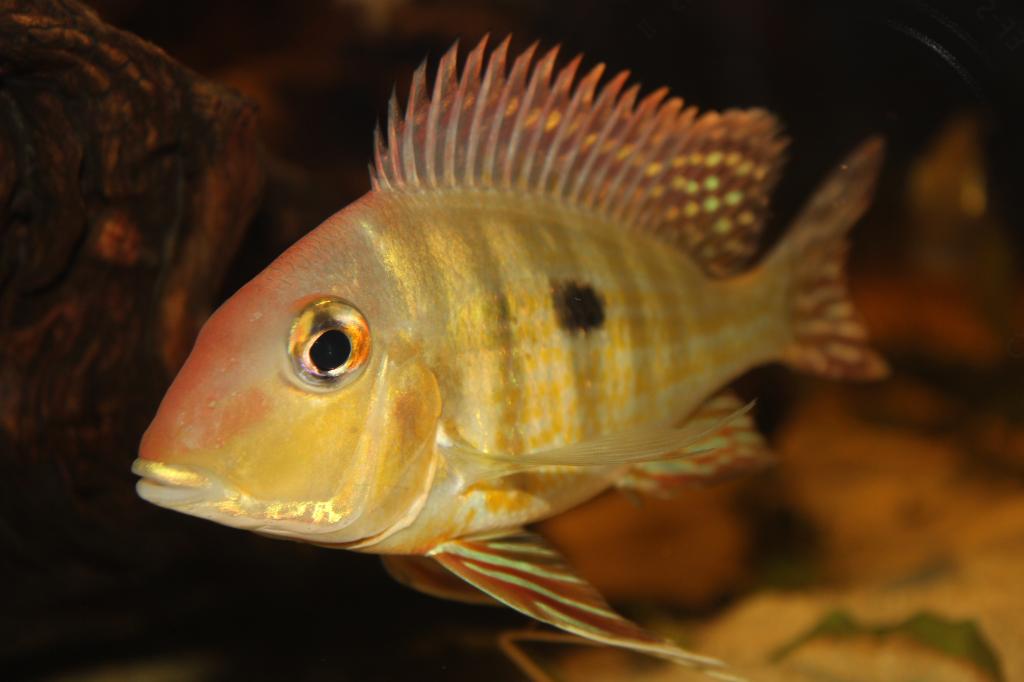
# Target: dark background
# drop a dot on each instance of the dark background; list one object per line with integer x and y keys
{"x": 95, "y": 578}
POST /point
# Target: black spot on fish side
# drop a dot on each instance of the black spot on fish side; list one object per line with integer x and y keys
{"x": 579, "y": 307}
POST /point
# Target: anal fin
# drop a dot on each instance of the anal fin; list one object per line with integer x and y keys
{"x": 731, "y": 447}
{"x": 524, "y": 572}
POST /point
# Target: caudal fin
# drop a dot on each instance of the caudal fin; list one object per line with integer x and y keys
{"x": 828, "y": 336}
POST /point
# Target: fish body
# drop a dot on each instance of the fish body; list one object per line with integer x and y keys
{"x": 544, "y": 295}
{"x": 488, "y": 291}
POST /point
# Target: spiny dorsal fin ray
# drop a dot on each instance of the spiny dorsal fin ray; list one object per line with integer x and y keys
{"x": 699, "y": 182}
{"x": 520, "y": 569}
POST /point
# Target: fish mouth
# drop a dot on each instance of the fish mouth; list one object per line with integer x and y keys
{"x": 203, "y": 494}
{"x": 174, "y": 486}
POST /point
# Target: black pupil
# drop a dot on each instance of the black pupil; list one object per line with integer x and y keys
{"x": 330, "y": 351}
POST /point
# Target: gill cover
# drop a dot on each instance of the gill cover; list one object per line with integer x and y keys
{"x": 395, "y": 460}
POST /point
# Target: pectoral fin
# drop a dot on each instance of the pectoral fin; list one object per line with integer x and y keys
{"x": 626, "y": 447}
{"x": 524, "y": 572}
{"x": 732, "y": 446}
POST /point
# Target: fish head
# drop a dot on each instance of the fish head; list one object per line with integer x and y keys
{"x": 303, "y": 409}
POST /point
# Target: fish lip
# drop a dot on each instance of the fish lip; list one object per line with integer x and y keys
{"x": 174, "y": 486}
{"x": 201, "y": 493}
{"x": 191, "y": 491}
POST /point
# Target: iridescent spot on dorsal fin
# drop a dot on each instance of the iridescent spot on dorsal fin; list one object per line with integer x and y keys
{"x": 699, "y": 182}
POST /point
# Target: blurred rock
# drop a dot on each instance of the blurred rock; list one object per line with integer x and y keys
{"x": 689, "y": 551}
{"x": 982, "y": 587}
{"x": 887, "y": 500}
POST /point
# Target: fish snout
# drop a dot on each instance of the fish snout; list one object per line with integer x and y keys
{"x": 184, "y": 453}
{"x": 190, "y": 421}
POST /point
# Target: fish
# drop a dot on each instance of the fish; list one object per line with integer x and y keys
{"x": 544, "y": 295}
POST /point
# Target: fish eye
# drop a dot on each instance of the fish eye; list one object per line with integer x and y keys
{"x": 329, "y": 343}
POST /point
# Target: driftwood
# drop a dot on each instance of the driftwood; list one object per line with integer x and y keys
{"x": 126, "y": 183}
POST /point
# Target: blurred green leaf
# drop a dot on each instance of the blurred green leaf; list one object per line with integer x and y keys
{"x": 956, "y": 638}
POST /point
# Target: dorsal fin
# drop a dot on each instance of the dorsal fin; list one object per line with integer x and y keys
{"x": 700, "y": 182}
